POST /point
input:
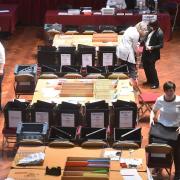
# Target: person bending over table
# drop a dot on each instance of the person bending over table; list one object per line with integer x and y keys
{"x": 166, "y": 111}
{"x": 120, "y": 4}
{"x": 127, "y": 49}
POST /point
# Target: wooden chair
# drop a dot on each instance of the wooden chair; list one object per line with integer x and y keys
{"x": 160, "y": 156}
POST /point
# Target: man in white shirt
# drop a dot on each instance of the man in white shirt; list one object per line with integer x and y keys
{"x": 2, "y": 62}
{"x": 120, "y": 4}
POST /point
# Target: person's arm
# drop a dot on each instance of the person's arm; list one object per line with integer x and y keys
{"x": 160, "y": 43}
{"x": 1, "y": 69}
{"x": 153, "y": 117}
{"x": 2, "y": 59}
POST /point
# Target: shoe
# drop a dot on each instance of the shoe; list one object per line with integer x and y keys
{"x": 145, "y": 83}
{"x": 177, "y": 177}
{"x": 154, "y": 87}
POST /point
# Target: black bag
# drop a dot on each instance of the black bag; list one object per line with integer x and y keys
{"x": 166, "y": 133}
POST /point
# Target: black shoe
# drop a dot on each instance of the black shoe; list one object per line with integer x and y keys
{"x": 154, "y": 87}
{"x": 177, "y": 177}
{"x": 145, "y": 83}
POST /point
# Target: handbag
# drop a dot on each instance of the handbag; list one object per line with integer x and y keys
{"x": 166, "y": 133}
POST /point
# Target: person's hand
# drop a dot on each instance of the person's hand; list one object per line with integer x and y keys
{"x": 151, "y": 122}
{"x": 149, "y": 48}
{"x": 178, "y": 129}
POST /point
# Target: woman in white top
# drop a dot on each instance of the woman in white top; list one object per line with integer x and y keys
{"x": 121, "y": 4}
{"x": 166, "y": 111}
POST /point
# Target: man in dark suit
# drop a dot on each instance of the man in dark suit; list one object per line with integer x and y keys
{"x": 152, "y": 45}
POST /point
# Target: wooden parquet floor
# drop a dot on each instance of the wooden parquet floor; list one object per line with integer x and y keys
{"x": 21, "y": 48}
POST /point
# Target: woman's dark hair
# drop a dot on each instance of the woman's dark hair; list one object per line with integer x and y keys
{"x": 169, "y": 85}
{"x": 154, "y": 24}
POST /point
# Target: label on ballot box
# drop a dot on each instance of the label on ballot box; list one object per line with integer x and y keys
{"x": 67, "y": 120}
{"x": 14, "y": 118}
{"x": 107, "y": 59}
{"x": 125, "y": 119}
{"x": 65, "y": 59}
{"x": 86, "y": 60}
{"x": 42, "y": 117}
{"x": 97, "y": 120}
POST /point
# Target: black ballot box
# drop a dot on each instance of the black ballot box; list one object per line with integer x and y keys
{"x": 68, "y": 115}
{"x": 93, "y": 137}
{"x": 97, "y": 114}
{"x": 121, "y": 69}
{"x": 15, "y": 112}
{"x": 43, "y": 112}
{"x": 125, "y": 114}
{"x": 92, "y": 134}
{"x": 25, "y": 79}
{"x": 96, "y": 69}
{"x": 128, "y": 134}
{"x": 31, "y": 131}
{"x": 58, "y": 133}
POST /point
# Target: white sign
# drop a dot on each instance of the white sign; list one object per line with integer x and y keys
{"x": 149, "y": 17}
{"x": 125, "y": 119}
{"x": 97, "y": 120}
{"x": 107, "y": 59}
{"x": 86, "y": 60}
{"x": 14, "y": 118}
{"x": 42, "y": 117}
{"x": 67, "y": 120}
{"x": 65, "y": 59}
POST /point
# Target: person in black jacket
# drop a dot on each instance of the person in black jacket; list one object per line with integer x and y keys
{"x": 151, "y": 53}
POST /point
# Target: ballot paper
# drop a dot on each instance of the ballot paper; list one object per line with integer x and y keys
{"x": 130, "y": 174}
{"x": 112, "y": 155}
{"x": 32, "y": 159}
{"x": 131, "y": 162}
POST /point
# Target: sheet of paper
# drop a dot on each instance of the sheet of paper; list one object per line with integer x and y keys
{"x": 67, "y": 120}
{"x": 107, "y": 59}
{"x": 112, "y": 155}
{"x": 50, "y": 92}
{"x": 86, "y": 60}
{"x": 65, "y": 59}
{"x": 97, "y": 120}
{"x": 130, "y": 174}
{"x": 14, "y": 118}
{"x": 125, "y": 119}
{"x": 42, "y": 117}
{"x": 131, "y": 161}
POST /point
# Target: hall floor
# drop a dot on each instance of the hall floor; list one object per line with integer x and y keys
{"x": 21, "y": 48}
